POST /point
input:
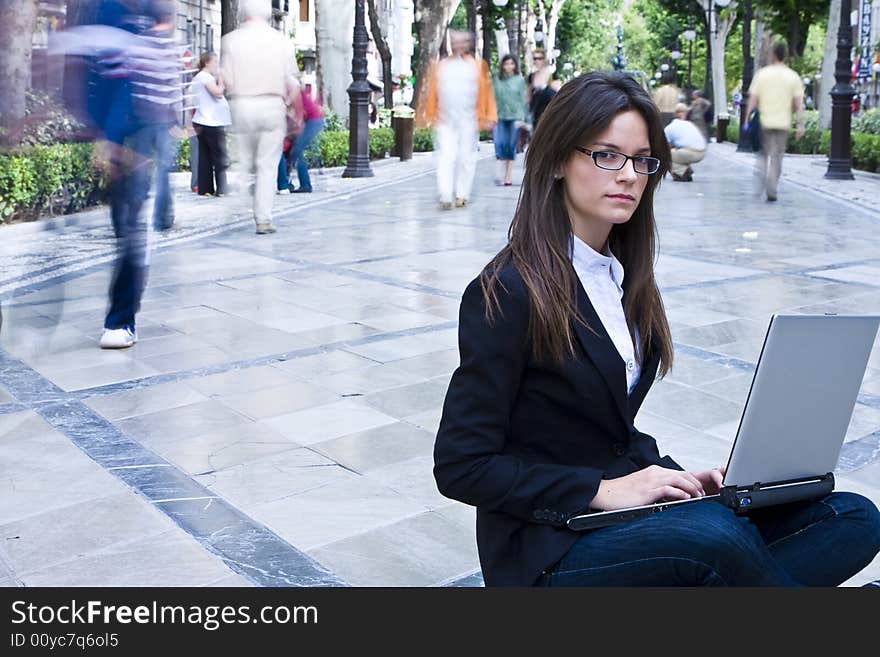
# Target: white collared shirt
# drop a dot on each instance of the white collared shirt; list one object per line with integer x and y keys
{"x": 602, "y": 279}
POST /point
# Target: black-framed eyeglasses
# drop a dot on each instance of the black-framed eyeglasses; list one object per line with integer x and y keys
{"x": 613, "y": 161}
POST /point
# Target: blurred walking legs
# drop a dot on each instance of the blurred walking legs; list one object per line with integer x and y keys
{"x": 773, "y": 144}
{"x": 163, "y": 207}
{"x": 456, "y": 161}
{"x": 132, "y": 165}
{"x": 310, "y": 130}
{"x": 260, "y": 123}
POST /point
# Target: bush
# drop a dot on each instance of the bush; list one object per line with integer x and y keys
{"x": 333, "y": 148}
{"x": 18, "y": 185}
{"x": 868, "y": 122}
{"x": 182, "y": 160}
{"x": 423, "y": 140}
{"x": 866, "y": 151}
{"x": 381, "y": 142}
{"x": 57, "y": 178}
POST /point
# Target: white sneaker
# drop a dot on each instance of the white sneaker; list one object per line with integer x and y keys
{"x": 120, "y": 338}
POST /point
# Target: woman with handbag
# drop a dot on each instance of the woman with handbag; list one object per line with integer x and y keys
{"x": 210, "y": 121}
{"x": 560, "y": 339}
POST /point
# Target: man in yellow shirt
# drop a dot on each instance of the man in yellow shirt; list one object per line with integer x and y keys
{"x": 777, "y": 92}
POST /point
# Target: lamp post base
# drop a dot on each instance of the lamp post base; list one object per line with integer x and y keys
{"x": 839, "y": 170}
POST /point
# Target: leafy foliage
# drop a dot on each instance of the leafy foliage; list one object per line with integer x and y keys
{"x": 60, "y": 178}
{"x": 423, "y": 140}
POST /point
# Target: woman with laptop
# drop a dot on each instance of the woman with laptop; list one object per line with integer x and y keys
{"x": 561, "y": 337}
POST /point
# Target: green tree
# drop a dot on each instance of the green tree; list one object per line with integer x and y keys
{"x": 585, "y": 34}
{"x": 792, "y": 20}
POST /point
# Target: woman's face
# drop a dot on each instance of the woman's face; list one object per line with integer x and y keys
{"x": 597, "y": 198}
{"x": 540, "y": 60}
{"x": 509, "y": 67}
{"x": 213, "y": 66}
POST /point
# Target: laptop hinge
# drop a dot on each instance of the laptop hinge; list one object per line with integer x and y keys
{"x": 762, "y": 494}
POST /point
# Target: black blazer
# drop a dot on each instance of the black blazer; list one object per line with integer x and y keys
{"x": 528, "y": 442}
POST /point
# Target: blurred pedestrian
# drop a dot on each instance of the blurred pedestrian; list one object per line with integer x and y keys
{"x": 210, "y": 122}
{"x": 699, "y": 114}
{"x": 666, "y": 98}
{"x": 510, "y": 100}
{"x": 313, "y": 123}
{"x": 543, "y": 83}
{"x": 132, "y": 89}
{"x": 777, "y": 92}
{"x": 166, "y": 92}
{"x": 460, "y": 103}
{"x": 259, "y": 70}
{"x": 687, "y": 143}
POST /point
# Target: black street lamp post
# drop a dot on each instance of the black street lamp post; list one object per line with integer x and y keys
{"x": 359, "y": 102}
{"x": 840, "y": 157}
{"x": 745, "y": 144}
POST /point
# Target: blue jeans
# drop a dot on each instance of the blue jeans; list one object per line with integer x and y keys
{"x": 504, "y": 137}
{"x": 814, "y": 543}
{"x": 128, "y": 192}
{"x": 283, "y": 181}
{"x": 310, "y": 130}
{"x": 163, "y": 206}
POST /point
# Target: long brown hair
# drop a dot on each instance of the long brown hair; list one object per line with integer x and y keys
{"x": 539, "y": 239}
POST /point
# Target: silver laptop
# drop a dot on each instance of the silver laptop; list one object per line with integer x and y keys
{"x": 795, "y": 418}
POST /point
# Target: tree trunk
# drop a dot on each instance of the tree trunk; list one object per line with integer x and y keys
{"x": 550, "y": 29}
{"x": 384, "y": 53}
{"x": 487, "y": 32}
{"x": 471, "y": 9}
{"x": 717, "y": 42}
{"x": 229, "y": 15}
{"x": 432, "y": 17}
{"x": 823, "y": 95}
{"x": 17, "y": 22}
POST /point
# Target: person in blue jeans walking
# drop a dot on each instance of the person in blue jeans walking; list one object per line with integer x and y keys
{"x": 560, "y": 338}
{"x": 313, "y": 117}
{"x": 510, "y": 99}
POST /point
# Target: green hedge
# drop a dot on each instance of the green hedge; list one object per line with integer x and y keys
{"x": 423, "y": 140}
{"x": 865, "y": 146}
{"x": 58, "y": 179}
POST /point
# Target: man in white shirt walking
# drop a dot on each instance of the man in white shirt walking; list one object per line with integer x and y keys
{"x": 259, "y": 70}
{"x": 687, "y": 143}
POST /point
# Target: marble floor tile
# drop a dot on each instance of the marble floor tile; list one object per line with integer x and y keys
{"x": 413, "y": 478}
{"x": 42, "y": 540}
{"x": 430, "y": 365}
{"x": 322, "y": 364}
{"x": 427, "y": 420}
{"x": 694, "y": 408}
{"x": 192, "y": 359}
{"x": 42, "y": 470}
{"x": 100, "y": 375}
{"x": 409, "y": 400}
{"x": 223, "y": 448}
{"x": 273, "y": 477}
{"x": 397, "y": 348}
{"x": 180, "y": 423}
{"x": 170, "y": 559}
{"x": 329, "y": 421}
{"x": 424, "y": 550}
{"x": 375, "y": 448}
{"x": 246, "y": 379}
{"x": 279, "y": 400}
{"x": 362, "y": 382}
{"x": 332, "y": 513}
{"x": 141, "y": 401}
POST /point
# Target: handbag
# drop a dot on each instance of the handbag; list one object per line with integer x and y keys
{"x": 754, "y": 132}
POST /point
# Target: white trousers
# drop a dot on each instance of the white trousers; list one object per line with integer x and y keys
{"x": 456, "y": 148}
{"x": 259, "y": 124}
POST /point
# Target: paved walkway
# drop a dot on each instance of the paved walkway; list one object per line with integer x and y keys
{"x": 274, "y": 425}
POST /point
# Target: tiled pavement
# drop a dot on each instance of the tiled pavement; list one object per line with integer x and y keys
{"x": 274, "y": 425}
